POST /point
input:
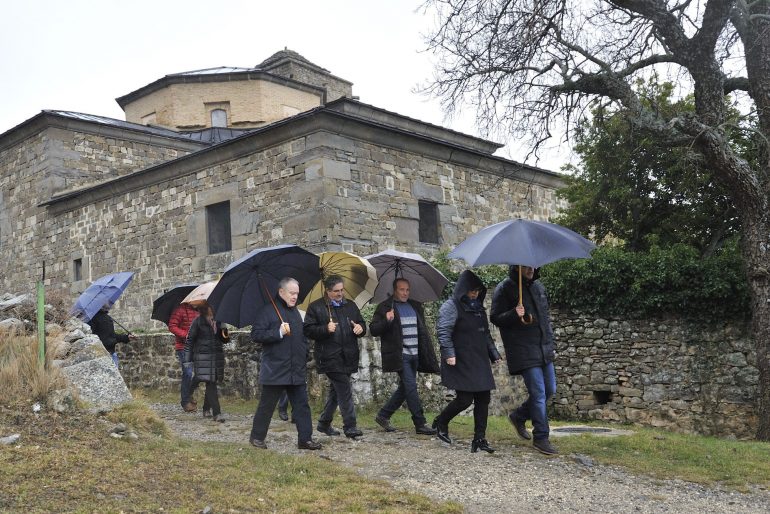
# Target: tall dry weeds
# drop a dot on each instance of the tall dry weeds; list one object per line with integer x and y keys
{"x": 22, "y": 379}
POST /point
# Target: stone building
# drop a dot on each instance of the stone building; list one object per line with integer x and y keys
{"x": 214, "y": 163}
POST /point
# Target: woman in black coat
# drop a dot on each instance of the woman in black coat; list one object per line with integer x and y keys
{"x": 467, "y": 349}
{"x": 203, "y": 351}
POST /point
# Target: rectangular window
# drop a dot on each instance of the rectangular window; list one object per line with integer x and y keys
{"x": 428, "y": 230}
{"x": 218, "y": 227}
{"x": 77, "y": 270}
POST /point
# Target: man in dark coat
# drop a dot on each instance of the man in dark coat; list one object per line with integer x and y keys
{"x": 467, "y": 351}
{"x": 335, "y": 325}
{"x": 278, "y": 327}
{"x": 406, "y": 348}
{"x": 103, "y": 326}
{"x": 529, "y": 350}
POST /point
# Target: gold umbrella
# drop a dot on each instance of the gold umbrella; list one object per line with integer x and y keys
{"x": 200, "y": 294}
{"x": 360, "y": 277}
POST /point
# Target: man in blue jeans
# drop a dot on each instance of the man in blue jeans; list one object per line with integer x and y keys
{"x": 525, "y": 327}
{"x": 406, "y": 348}
{"x": 179, "y": 324}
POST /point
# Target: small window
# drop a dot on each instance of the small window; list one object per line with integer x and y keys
{"x": 77, "y": 270}
{"x": 428, "y": 230}
{"x": 219, "y": 118}
{"x": 218, "y": 227}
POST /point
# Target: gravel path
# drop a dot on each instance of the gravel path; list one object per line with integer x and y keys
{"x": 512, "y": 480}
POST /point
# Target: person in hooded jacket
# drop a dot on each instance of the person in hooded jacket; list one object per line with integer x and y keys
{"x": 335, "y": 324}
{"x": 205, "y": 354}
{"x": 529, "y": 350}
{"x": 467, "y": 349}
{"x": 278, "y": 327}
{"x": 103, "y": 326}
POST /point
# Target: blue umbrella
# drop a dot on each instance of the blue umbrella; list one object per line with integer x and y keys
{"x": 525, "y": 242}
{"x": 164, "y": 305}
{"x": 252, "y": 281}
{"x": 103, "y": 290}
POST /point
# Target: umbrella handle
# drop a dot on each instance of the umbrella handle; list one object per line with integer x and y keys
{"x": 527, "y": 319}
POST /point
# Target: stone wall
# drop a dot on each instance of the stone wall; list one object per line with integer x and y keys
{"x": 669, "y": 374}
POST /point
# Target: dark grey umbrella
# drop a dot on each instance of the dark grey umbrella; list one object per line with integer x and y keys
{"x": 163, "y": 305}
{"x": 525, "y": 242}
{"x": 252, "y": 281}
{"x": 426, "y": 283}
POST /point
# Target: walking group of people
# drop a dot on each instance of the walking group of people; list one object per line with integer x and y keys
{"x": 467, "y": 353}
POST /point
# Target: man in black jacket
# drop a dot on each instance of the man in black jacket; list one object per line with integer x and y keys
{"x": 283, "y": 367}
{"x": 335, "y": 325}
{"x": 406, "y": 348}
{"x": 103, "y": 326}
{"x": 529, "y": 350}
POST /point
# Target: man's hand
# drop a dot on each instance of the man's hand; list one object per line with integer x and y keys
{"x": 520, "y": 310}
{"x": 285, "y": 329}
{"x": 390, "y": 315}
{"x": 132, "y": 337}
{"x": 357, "y": 329}
{"x": 331, "y": 327}
{"x": 451, "y": 361}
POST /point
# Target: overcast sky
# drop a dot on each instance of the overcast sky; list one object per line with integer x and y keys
{"x": 79, "y": 55}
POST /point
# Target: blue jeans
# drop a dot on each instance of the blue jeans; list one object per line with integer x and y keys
{"x": 541, "y": 386}
{"x": 114, "y": 356}
{"x": 187, "y": 374}
{"x": 407, "y": 390}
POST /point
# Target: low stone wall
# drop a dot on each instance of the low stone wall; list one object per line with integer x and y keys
{"x": 664, "y": 373}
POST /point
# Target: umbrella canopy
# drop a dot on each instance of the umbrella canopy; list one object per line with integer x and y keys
{"x": 252, "y": 281}
{"x": 360, "y": 277}
{"x": 163, "y": 306}
{"x": 200, "y": 294}
{"x": 525, "y": 242}
{"x": 103, "y": 290}
{"x": 425, "y": 282}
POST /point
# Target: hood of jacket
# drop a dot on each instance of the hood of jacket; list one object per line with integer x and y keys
{"x": 467, "y": 281}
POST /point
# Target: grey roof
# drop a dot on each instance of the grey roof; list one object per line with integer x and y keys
{"x": 212, "y": 71}
{"x": 215, "y": 135}
{"x": 160, "y": 131}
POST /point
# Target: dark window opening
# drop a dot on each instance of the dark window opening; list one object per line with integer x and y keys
{"x": 428, "y": 229}
{"x": 77, "y": 269}
{"x": 218, "y": 227}
{"x": 602, "y": 397}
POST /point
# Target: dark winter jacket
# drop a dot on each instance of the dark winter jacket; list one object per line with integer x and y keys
{"x": 203, "y": 348}
{"x": 392, "y": 340}
{"x": 463, "y": 333}
{"x": 103, "y": 326}
{"x": 336, "y": 352}
{"x": 284, "y": 359}
{"x": 526, "y": 346}
{"x": 179, "y": 323}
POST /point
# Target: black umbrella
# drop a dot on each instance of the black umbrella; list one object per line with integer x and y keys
{"x": 163, "y": 306}
{"x": 252, "y": 281}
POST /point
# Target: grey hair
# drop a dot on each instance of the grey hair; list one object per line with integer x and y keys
{"x": 285, "y": 281}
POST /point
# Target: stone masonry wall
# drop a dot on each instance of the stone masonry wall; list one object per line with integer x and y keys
{"x": 667, "y": 374}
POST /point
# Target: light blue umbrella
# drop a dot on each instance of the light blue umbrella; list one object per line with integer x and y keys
{"x": 526, "y": 242}
{"x": 104, "y": 290}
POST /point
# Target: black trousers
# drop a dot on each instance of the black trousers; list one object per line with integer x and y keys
{"x": 480, "y": 401}
{"x": 340, "y": 394}
{"x": 211, "y": 398}
{"x": 300, "y": 410}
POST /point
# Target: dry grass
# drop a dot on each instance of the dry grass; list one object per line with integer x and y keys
{"x": 22, "y": 378}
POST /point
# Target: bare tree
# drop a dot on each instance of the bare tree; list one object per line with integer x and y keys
{"x": 525, "y": 63}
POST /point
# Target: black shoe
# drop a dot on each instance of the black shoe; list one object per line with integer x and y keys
{"x": 258, "y": 443}
{"x": 309, "y": 445}
{"x": 283, "y": 415}
{"x": 385, "y": 423}
{"x": 545, "y": 446}
{"x": 481, "y": 444}
{"x": 353, "y": 432}
{"x": 442, "y": 431}
{"x": 425, "y": 430}
{"x": 327, "y": 429}
{"x": 219, "y": 418}
{"x": 519, "y": 426}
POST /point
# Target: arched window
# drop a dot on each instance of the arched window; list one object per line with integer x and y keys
{"x": 218, "y": 118}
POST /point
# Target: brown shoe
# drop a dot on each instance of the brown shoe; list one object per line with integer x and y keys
{"x": 309, "y": 445}
{"x": 519, "y": 426}
{"x": 258, "y": 443}
{"x": 545, "y": 446}
{"x": 189, "y": 407}
{"x": 385, "y": 423}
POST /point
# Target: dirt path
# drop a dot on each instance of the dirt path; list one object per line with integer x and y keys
{"x": 512, "y": 480}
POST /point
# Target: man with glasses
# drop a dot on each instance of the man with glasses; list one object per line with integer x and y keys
{"x": 335, "y": 324}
